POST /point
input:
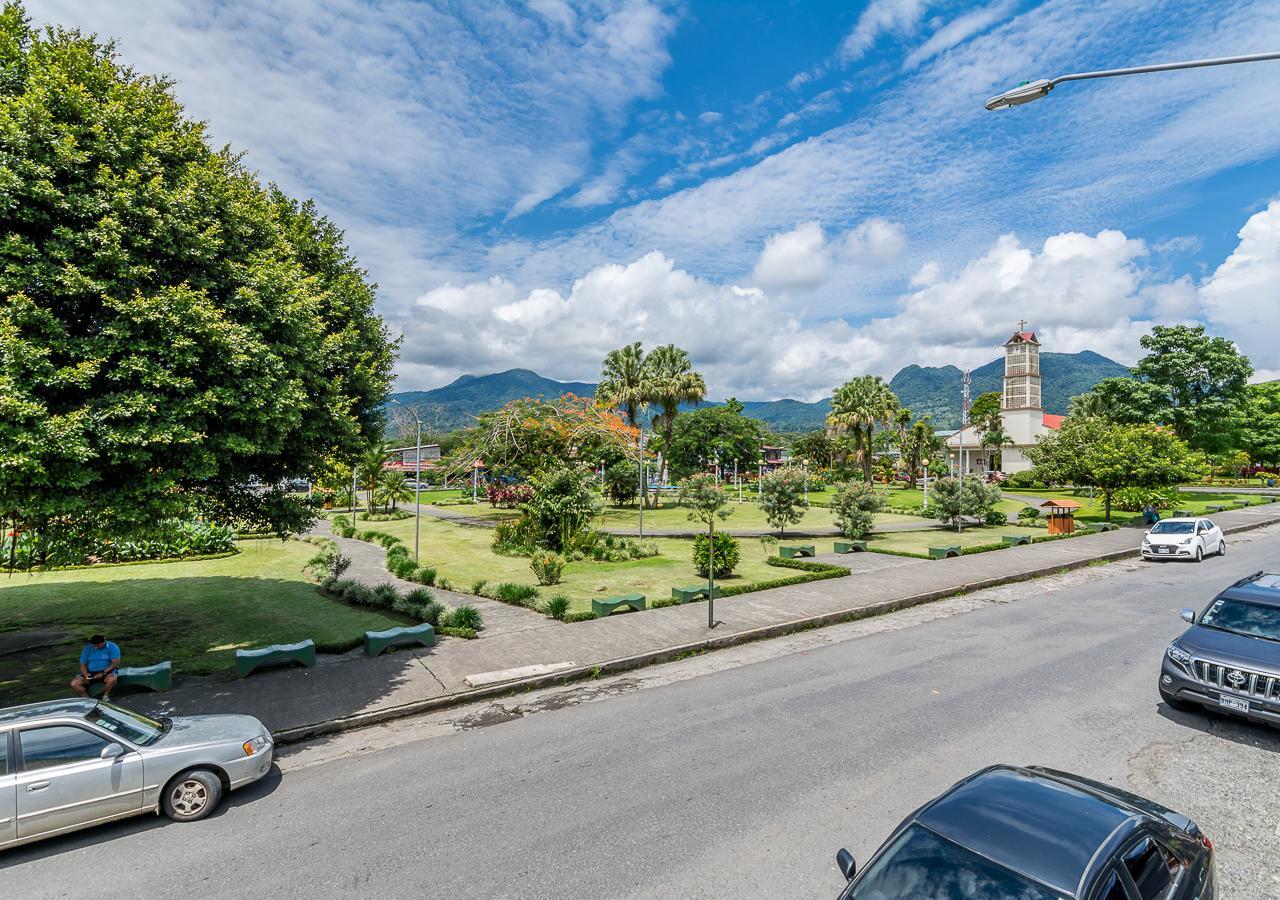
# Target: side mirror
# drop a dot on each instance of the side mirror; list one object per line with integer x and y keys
{"x": 1187, "y": 615}
{"x": 848, "y": 868}
{"x": 111, "y": 751}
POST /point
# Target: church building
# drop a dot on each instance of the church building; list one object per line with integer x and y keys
{"x": 1020, "y": 409}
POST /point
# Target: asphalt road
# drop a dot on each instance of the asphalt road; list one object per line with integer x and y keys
{"x": 740, "y": 777}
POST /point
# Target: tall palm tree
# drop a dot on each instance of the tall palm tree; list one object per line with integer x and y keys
{"x": 623, "y": 381}
{"x": 671, "y": 381}
{"x": 369, "y": 470}
{"x": 858, "y": 406}
{"x": 393, "y": 490}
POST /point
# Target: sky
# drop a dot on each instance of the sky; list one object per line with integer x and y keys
{"x": 795, "y": 192}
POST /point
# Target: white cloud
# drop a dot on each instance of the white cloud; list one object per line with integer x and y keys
{"x": 794, "y": 259}
{"x": 1242, "y": 297}
{"x": 959, "y": 30}
{"x": 881, "y": 17}
{"x": 876, "y": 241}
{"x": 926, "y": 275}
{"x": 710, "y": 117}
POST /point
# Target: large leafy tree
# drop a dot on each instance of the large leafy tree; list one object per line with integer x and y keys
{"x": 1111, "y": 456}
{"x": 857, "y": 407}
{"x": 815, "y": 445}
{"x": 918, "y": 443}
{"x": 984, "y": 412}
{"x": 715, "y": 432}
{"x": 1260, "y": 437}
{"x": 169, "y": 329}
{"x": 671, "y": 381}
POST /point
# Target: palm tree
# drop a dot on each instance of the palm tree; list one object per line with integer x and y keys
{"x": 393, "y": 490}
{"x": 623, "y": 382}
{"x": 858, "y": 406}
{"x": 995, "y": 438}
{"x": 671, "y": 381}
{"x": 369, "y": 470}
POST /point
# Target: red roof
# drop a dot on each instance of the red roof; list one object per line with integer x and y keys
{"x": 1052, "y": 421}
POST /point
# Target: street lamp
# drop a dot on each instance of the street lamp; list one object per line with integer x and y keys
{"x": 417, "y": 475}
{"x": 475, "y": 480}
{"x": 925, "y": 463}
{"x": 1034, "y": 90}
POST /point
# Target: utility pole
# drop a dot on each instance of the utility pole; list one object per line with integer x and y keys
{"x": 417, "y": 475}
{"x": 964, "y": 424}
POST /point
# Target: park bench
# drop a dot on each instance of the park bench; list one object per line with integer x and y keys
{"x": 377, "y": 641}
{"x": 797, "y": 550}
{"x": 303, "y": 653}
{"x": 1015, "y": 540}
{"x": 944, "y": 552}
{"x": 1183, "y": 513}
{"x": 1099, "y": 527}
{"x": 697, "y": 592}
{"x": 156, "y": 678}
{"x": 604, "y": 607}
{"x": 1217, "y": 507}
{"x": 850, "y": 546}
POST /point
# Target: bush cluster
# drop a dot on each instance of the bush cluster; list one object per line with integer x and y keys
{"x": 811, "y": 571}
{"x": 508, "y": 496}
{"x": 1028, "y": 514}
{"x": 75, "y": 546}
{"x": 547, "y": 567}
{"x": 727, "y": 554}
{"x": 557, "y": 607}
{"x": 418, "y": 604}
{"x": 394, "y": 515}
{"x": 328, "y": 561}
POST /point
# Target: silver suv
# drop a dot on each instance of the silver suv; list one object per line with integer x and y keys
{"x": 1229, "y": 659}
{"x": 69, "y": 764}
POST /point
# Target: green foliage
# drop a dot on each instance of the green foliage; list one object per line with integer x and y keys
{"x": 514, "y": 537}
{"x": 995, "y": 518}
{"x": 857, "y": 408}
{"x": 855, "y": 505}
{"x": 814, "y": 445}
{"x": 1260, "y": 436}
{"x": 170, "y": 329}
{"x": 547, "y": 567}
{"x": 705, "y": 499}
{"x": 465, "y": 616}
{"x": 328, "y": 561}
{"x": 562, "y": 507}
{"x": 580, "y": 616}
{"x": 424, "y": 575}
{"x": 1024, "y": 480}
{"x": 782, "y": 497}
{"x": 622, "y": 483}
{"x": 984, "y": 412}
{"x": 919, "y": 443}
{"x": 467, "y": 633}
{"x": 714, "y": 432}
{"x": 393, "y": 489}
{"x": 517, "y": 594}
{"x": 557, "y": 607}
{"x": 1136, "y": 499}
{"x": 78, "y": 543}
{"x": 1108, "y": 456}
{"x": 477, "y": 586}
{"x": 1028, "y": 514}
{"x": 670, "y": 381}
{"x": 949, "y": 499}
{"x": 811, "y": 571}
{"x": 727, "y": 554}
{"x": 624, "y": 382}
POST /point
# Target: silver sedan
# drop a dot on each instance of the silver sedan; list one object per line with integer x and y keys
{"x": 69, "y": 764}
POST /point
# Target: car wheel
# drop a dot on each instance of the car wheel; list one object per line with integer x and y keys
{"x": 1175, "y": 703}
{"x": 1199, "y": 554}
{"x": 1222, "y": 548}
{"x": 192, "y": 795}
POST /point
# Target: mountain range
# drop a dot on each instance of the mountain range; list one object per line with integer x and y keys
{"x": 925, "y": 390}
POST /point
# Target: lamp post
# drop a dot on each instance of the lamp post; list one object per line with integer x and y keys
{"x": 804, "y": 469}
{"x": 925, "y": 463}
{"x": 475, "y": 481}
{"x": 736, "y": 479}
{"x": 1034, "y": 90}
{"x": 417, "y": 475}
{"x": 640, "y": 501}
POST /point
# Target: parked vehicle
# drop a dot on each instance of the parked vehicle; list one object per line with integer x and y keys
{"x": 1229, "y": 659}
{"x": 69, "y": 764}
{"x": 1036, "y": 834}
{"x": 1184, "y": 538}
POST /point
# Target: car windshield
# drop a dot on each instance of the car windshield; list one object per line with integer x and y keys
{"x": 133, "y": 727}
{"x": 921, "y": 865}
{"x": 1173, "y": 528}
{"x": 1238, "y": 617}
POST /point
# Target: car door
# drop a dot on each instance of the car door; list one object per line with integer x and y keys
{"x": 8, "y": 793}
{"x": 64, "y": 782}
{"x": 1213, "y": 539}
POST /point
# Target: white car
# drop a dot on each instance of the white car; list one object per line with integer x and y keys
{"x": 1183, "y": 539}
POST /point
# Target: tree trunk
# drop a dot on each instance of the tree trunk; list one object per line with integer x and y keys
{"x": 1106, "y": 499}
{"x": 867, "y": 449}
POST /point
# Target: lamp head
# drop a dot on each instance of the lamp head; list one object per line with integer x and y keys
{"x": 1023, "y": 93}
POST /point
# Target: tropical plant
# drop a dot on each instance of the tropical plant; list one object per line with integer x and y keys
{"x": 950, "y": 499}
{"x": 556, "y": 607}
{"x": 919, "y": 443}
{"x": 855, "y": 505}
{"x": 370, "y": 470}
{"x": 622, "y": 483}
{"x": 561, "y": 508}
{"x": 465, "y": 616}
{"x": 547, "y": 567}
{"x": 670, "y": 380}
{"x": 782, "y": 497}
{"x": 624, "y": 382}
{"x": 727, "y": 554}
{"x": 393, "y": 489}
{"x": 857, "y": 407}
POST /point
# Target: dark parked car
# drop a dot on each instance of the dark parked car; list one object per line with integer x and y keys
{"x": 1229, "y": 659}
{"x": 1011, "y": 833}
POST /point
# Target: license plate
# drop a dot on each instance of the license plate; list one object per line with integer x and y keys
{"x": 1233, "y": 703}
{"x": 1164, "y": 549}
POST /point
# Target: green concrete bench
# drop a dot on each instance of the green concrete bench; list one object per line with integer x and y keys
{"x": 1183, "y": 513}
{"x": 1217, "y": 507}
{"x": 1099, "y": 527}
{"x": 850, "y": 546}
{"x": 797, "y": 550}
{"x": 604, "y": 607}
{"x": 1015, "y": 540}
{"x": 697, "y": 592}
{"x": 944, "y": 552}
{"x": 156, "y": 678}
{"x": 377, "y": 641}
{"x": 1244, "y": 502}
{"x": 303, "y": 653}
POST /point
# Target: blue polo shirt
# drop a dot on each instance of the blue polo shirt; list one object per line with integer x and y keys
{"x": 97, "y": 660}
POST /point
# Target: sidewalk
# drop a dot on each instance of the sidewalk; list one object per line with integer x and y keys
{"x": 350, "y": 690}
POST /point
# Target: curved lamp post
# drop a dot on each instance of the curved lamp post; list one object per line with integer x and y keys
{"x": 417, "y": 475}
{"x": 1034, "y": 90}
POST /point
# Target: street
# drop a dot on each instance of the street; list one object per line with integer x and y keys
{"x": 732, "y": 774}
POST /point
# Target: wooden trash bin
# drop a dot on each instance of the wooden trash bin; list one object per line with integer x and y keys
{"x": 1061, "y": 515}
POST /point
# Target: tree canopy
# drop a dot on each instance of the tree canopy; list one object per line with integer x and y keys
{"x": 857, "y": 407}
{"x": 170, "y": 329}
{"x": 715, "y": 432}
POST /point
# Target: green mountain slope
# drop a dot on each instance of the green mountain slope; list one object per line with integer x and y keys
{"x": 458, "y": 403}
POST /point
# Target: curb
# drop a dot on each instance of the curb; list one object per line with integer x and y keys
{"x": 626, "y": 663}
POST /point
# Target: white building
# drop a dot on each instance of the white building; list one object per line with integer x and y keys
{"x": 1020, "y": 409}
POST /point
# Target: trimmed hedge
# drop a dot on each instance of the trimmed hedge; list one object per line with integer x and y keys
{"x": 813, "y": 571}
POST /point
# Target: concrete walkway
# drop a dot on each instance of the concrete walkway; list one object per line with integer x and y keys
{"x": 350, "y": 690}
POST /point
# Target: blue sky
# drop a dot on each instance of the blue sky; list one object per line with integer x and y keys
{"x": 796, "y": 192}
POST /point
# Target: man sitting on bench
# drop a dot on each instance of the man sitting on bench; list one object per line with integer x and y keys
{"x": 99, "y": 661}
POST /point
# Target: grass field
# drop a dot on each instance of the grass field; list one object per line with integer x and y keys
{"x": 193, "y": 613}
{"x": 1093, "y": 509}
{"x": 921, "y": 541}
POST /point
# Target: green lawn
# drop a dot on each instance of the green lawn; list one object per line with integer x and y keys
{"x": 461, "y": 554}
{"x": 1093, "y": 510}
{"x": 921, "y": 541}
{"x": 193, "y": 613}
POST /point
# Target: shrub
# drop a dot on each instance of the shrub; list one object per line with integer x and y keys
{"x": 782, "y": 497}
{"x": 385, "y": 595}
{"x": 855, "y": 506}
{"x": 423, "y": 575}
{"x": 557, "y": 607}
{"x": 464, "y": 616}
{"x": 561, "y": 507}
{"x": 547, "y": 567}
{"x": 663, "y": 601}
{"x": 443, "y": 583}
{"x": 995, "y": 517}
{"x": 1028, "y": 513}
{"x": 468, "y": 633}
{"x": 402, "y": 567}
{"x": 477, "y": 586}
{"x": 519, "y": 594}
{"x": 622, "y": 483}
{"x": 1134, "y": 499}
{"x": 1022, "y": 480}
{"x": 358, "y": 594}
{"x": 727, "y": 554}
{"x": 508, "y": 496}
{"x": 513, "y": 538}
{"x": 580, "y": 616}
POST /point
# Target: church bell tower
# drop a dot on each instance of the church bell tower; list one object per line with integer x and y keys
{"x": 1020, "y": 402}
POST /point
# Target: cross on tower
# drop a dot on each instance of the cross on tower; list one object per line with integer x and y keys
{"x": 1022, "y": 325}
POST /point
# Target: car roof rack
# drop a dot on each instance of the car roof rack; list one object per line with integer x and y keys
{"x": 1248, "y": 578}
